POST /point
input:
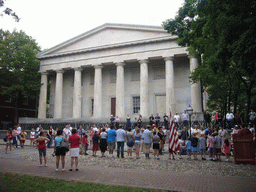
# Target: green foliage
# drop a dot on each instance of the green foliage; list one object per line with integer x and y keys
{"x": 221, "y": 33}
{"x": 18, "y": 64}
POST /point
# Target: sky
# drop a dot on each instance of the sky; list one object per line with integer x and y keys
{"x": 51, "y": 22}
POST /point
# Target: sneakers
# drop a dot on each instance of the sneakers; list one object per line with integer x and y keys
{"x": 40, "y": 165}
{"x": 180, "y": 157}
{"x": 45, "y": 165}
{"x": 203, "y": 159}
{"x": 158, "y": 158}
{"x": 56, "y": 170}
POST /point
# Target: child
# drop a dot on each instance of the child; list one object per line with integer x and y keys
{"x": 9, "y": 140}
{"x": 85, "y": 143}
{"x": 180, "y": 142}
{"x": 218, "y": 147}
{"x": 188, "y": 147}
{"x": 202, "y": 146}
{"x": 211, "y": 146}
{"x": 23, "y": 135}
{"x": 32, "y": 137}
{"x": 95, "y": 142}
{"x": 156, "y": 140}
{"x": 226, "y": 149}
{"x": 194, "y": 142}
{"x": 42, "y": 148}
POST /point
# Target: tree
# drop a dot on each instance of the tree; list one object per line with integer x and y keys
{"x": 18, "y": 66}
{"x": 8, "y": 11}
{"x": 221, "y": 33}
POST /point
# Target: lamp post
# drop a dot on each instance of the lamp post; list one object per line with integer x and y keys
{"x": 190, "y": 112}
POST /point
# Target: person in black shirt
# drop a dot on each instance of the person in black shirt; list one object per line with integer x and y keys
{"x": 166, "y": 118}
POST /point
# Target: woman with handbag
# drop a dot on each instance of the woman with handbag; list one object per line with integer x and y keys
{"x": 74, "y": 141}
{"x": 60, "y": 152}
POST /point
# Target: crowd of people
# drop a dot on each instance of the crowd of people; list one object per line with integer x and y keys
{"x": 192, "y": 141}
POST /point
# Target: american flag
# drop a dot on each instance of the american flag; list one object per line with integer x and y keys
{"x": 173, "y": 139}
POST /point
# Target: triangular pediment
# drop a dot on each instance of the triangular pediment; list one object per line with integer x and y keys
{"x": 105, "y": 36}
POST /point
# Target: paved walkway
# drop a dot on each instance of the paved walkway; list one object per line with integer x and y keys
{"x": 137, "y": 178}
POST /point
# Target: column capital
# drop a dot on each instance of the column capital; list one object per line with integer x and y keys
{"x": 98, "y": 66}
{"x": 169, "y": 58}
{"x": 59, "y": 71}
{"x": 120, "y": 64}
{"x": 144, "y": 61}
{"x": 44, "y": 73}
{"x": 78, "y": 69}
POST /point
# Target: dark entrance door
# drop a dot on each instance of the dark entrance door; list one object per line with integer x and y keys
{"x": 113, "y": 106}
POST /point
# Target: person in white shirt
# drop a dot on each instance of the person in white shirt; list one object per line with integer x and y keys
{"x": 176, "y": 119}
{"x": 18, "y": 132}
{"x": 66, "y": 132}
{"x": 185, "y": 118}
{"x": 70, "y": 128}
{"x": 229, "y": 118}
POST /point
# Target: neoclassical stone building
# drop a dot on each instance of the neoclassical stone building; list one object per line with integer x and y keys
{"x": 117, "y": 69}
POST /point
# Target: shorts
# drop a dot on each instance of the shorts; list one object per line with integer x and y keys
{"x": 85, "y": 148}
{"x": 147, "y": 145}
{"x": 74, "y": 152}
{"x": 137, "y": 143}
{"x": 155, "y": 145}
{"x": 42, "y": 153}
{"x": 112, "y": 145}
{"x": 129, "y": 147}
{"x": 195, "y": 149}
{"x": 212, "y": 151}
{"x": 60, "y": 151}
{"x": 32, "y": 139}
{"x": 218, "y": 150}
{"x": 202, "y": 151}
{"x": 189, "y": 151}
{"x": 22, "y": 141}
{"x": 170, "y": 151}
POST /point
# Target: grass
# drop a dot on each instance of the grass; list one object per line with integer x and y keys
{"x": 20, "y": 182}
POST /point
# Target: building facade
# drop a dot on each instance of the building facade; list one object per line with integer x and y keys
{"x": 117, "y": 69}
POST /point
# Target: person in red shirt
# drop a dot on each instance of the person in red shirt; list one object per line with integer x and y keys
{"x": 74, "y": 141}
{"x": 244, "y": 131}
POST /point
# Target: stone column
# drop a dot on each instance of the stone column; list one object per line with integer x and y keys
{"x": 120, "y": 90}
{"x": 169, "y": 81}
{"x": 196, "y": 99}
{"x": 43, "y": 96}
{"x": 58, "y": 94}
{"x": 77, "y": 103}
{"x": 98, "y": 91}
{"x": 144, "y": 99}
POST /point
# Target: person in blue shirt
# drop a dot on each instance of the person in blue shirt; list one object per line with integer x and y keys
{"x": 120, "y": 138}
{"x": 188, "y": 147}
{"x": 111, "y": 140}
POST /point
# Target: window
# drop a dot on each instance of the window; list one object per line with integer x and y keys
{"x": 25, "y": 100}
{"x": 136, "y": 104}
